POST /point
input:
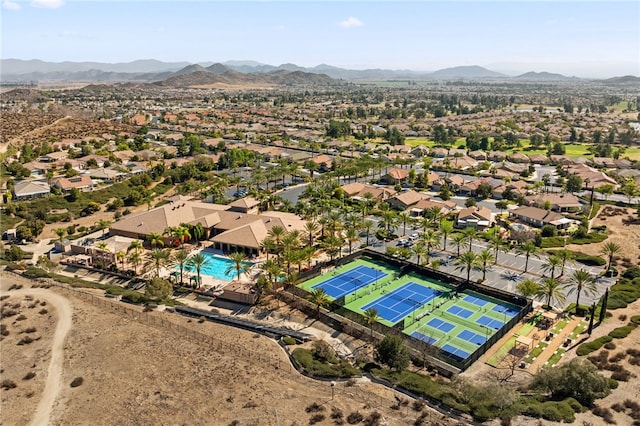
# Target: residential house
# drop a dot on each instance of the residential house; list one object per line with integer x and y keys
{"x": 30, "y": 189}
{"x": 453, "y": 181}
{"x": 478, "y": 155}
{"x": 421, "y": 206}
{"x": 518, "y": 157}
{"x": 538, "y": 217}
{"x": 475, "y": 217}
{"x": 359, "y": 191}
{"x": 406, "y": 199}
{"x": 539, "y": 159}
{"x": 82, "y": 183}
{"x": 420, "y": 151}
{"x": 246, "y": 205}
{"x": 323, "y": 161}
{"x": 558, "y": 202}
{"x": 396, "y": 175}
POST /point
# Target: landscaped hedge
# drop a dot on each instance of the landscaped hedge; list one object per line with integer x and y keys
{"x": 316, "y": 368}
{"x": 622, "y": 332}
{"x": 623, "y": 293}
{"x": 555, "y": 411}
{"x": 587, "y": 348}
{"x": 635, "y": 319}
{"x": 584, "y": 258}
{"x": 558, "y": 241}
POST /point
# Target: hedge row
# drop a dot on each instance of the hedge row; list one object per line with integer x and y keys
{"x": 313, "y": 367}
{"x": 587, "y": 348}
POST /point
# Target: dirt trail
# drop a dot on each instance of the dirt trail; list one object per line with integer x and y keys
{"x": 53, "y": 385}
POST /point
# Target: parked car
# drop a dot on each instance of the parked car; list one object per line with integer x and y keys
{"x": 401, "y": 242}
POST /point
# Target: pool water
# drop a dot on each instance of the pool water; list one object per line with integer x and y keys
{"x": 216, "y": 267}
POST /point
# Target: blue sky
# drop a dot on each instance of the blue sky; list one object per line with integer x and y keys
{"x": 581, "y": 38}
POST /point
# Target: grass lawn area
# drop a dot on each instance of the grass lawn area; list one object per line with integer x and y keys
{"x": 535, "y": 353}
{"x": 419, "y": 141}
{"x": 557, "y": 356}
{"x": 501, "y": 353}
{"x": 582, "y": 326}
{"x": 560, "y": 325}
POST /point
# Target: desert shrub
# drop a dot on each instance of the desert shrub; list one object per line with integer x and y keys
{"x": 632, "y": 272}
{"x": 7, "y": 384}
{"x": 621, "y": 375}
{"x": 622, "y": 317}
{"x": 235, "y": 423}
{"x": 250, "y": 404}
{"x": 336, "y": 413}
{"x": 373, "y": 419}
{"x": 421, "y": 420}
{"x": 3, "y": 330}
{"x": 288, "y": 340}
{"x": 322, "y": 351}
{"x": 76, "y": 382}
{"x": 587, "y": 348}
{"x": 21, "y": 317}
{"x": 355, "y": 418}
{"x": 4, "y": 297}
{"x": 315, "y": 408}
{"x": 43, "y": 311}
{"x": 622, "y": 332}
{"x": 575, "y": 405}
{"x": 610, "y": 345}
{"x": 617, "y": 407}
{"x": 318, "y": 368}
{"x": 619, "y": 356}
{"x": 613, "y": 383}
{"x": 316, "y": 418}
{"x": 605, "y": 413}
{"x": 30, "y": 375}
{"x": 15, "y": 287}
{"x": 25, "y": 341}
{"x": 418, "y": 405}
{"x": 8, "y": 312}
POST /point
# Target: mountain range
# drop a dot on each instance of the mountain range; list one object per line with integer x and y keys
{"x": 246, "y": 72}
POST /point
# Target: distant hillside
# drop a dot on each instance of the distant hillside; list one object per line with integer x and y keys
{"x": 625, "y": 79}
{"x": 542, "y": 76}
{"x": 469, "y": 72}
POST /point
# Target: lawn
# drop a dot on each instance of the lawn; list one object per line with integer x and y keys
{"x": 557, "y": 356}
{"x": 501, "y": 353}
{"x": 535, "y": 353}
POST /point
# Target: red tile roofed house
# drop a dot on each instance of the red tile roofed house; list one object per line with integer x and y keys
{"x": 138, "y": 120}
{"x": 82, "y": 182}
{"x": 421, "y": 206}
{"x": 454, "y": 182}
{"x": 475, "y": 217}
{"x": 556, "y": 202}
{"x": 463, "y": 162}
{"x": 396, "y": 175}
{"x": 323, "y": 161}
{"x": 406, "y": 199}
{"x": 358, "y": 191}
{"x": 540, "y": 217}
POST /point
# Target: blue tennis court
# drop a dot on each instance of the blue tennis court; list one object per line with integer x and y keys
{"x": 461, "y": 312}
{"x": 441, "y": 325}
{"x": 489, "y": 322}
{"x": 475, "y": 300}
{"x": 510, "y": 312}
{"x": 402, "y": 301}
{"x": 350, "y": 281}
{"x": 454, "y": 352}
{"x": 472, "y": 337}
{"x": 428, "y": 339}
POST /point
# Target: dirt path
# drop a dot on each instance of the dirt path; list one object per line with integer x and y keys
{"x": 53, "y": 384}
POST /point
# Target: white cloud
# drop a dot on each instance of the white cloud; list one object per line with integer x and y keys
{"x": 351, "y": 22}
{"x": 9, "y": 5}
{"x": 47, "y": 4}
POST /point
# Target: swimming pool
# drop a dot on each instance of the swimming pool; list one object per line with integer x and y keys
{"x": 216, "y": 267}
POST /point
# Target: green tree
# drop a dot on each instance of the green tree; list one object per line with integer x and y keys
{"x": 553, "y": 262}
{"x": 629, "y": 189}
{"x": 550, "y": 289}
{"x": 371, "y": 317}
{"x": 446, "y": 228}
{"x": 573, "y": 183}
{"x": 60, "y": 233}
{"x": 319, "y": 298}
{"x": 527, "y": 288}
{"x": 155, "y": 240}
{"x": 197, "y": 262}
{"x": 158, "y": 258}
{"x": 458, "y": 239}
{"x": 527, "y": 250}
{"x": 238, "y": 264}
{"x": 578, "y": 379}
{"x": 392, "y": 352}
{"x": 611, "y": 250}
{"x": 181, "y": 258}
{"x": 581, "y": 281}
{"x": 485, "y": 257}
{"x": 158, "y": 289}
{"x": 466, "y": 261}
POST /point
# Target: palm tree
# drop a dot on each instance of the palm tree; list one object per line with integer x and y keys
{"x": 239, "y": 264}
{"x": 103, "y": 246}
{"x": 158, "y": 258}
{"x": 458, "y": 239}
{"x": 527, "y": 250}
{"x": 276, "y": 234}
{"x": 267, "y": 245}
{"x": 419, "y": 250}
{"x": 552, "y": 263}
{"x": 611, "y": 250}
{"x": 181, "y": 258}
{"x": 388, "y": 221}
{"x": 310, "y": 228}
{"x": 566, "y": 256}
{"x": 319, "y": 298}
{"x": 198, "y": 232}
{"x": 261, "y": 286}
{"x": 135, "y": 245}
{"x": 155, "y": 240}
{"x": 121, "y": 256}
{"x": 431, "y": 240}
{"x": 433, "y": 215}
{"x": 135, "y": 260}
{"x": 466, "y": 261}
{"x": 485, "y": 257}
{"x": 197, "y": 262}
{"x": 580, "y": 281}
{"x": 367, "y": 226}
{"x": 470, "y": 234}
{"x": 371, "y": 317}
{"x": 404, "y": 218}
{"x": 551, "y": 290}
{"x": 496, "y": 243}
{"x": 446, "y": 228}
{"x": 103, "y": 224}
{"x": 527, "y": 288}
{"x": 182, "y": 234}
{"x": 273, "y": 270}
{"x": 352, "y": 236}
